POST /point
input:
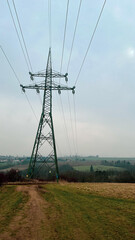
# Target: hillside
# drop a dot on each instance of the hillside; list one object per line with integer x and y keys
{"x": 67, "y": 211}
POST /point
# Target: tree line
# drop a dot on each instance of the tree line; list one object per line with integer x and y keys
{"x": 71, "y": 175}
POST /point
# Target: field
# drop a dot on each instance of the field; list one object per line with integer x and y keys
{"x": 10, "y": 202}
{"x": 98, "y": 167}
{"x": 68, "y": 211}
{"x": 19, "y": 167}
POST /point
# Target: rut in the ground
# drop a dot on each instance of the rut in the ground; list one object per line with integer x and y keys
{"x": 31, "y": 221}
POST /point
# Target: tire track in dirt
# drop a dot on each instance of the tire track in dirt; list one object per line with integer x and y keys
{"x": 31, "y": 222}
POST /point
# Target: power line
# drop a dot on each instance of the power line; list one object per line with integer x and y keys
{"x": 17, "y": 79}
{"x": 64, "y": 36}
{"x": 40, "y": 99}
{"x": 10, "y": 65}
{"x": 18, "y": 35}
{"x": 76, "y": 139}
{"x": 31, "y": 106}
{"x": 58, "y": 105}
{"x": 71, "y": 123}
{"x": 61, "y": 71}
{"x": 90, "y": 42}
{"x": 74, "y": 34}
{"x": 30, "y": 65}
{"x": 22, "y": 36}
{"x": 57, "y": 146}
{"x": 65, "y": 125}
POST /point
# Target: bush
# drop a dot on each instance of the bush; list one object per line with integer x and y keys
{"x": 2, "y": 178}
{"x": 11, "y": 176}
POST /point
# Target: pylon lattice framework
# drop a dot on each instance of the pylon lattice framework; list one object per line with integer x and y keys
{"x": 45, "y": 131}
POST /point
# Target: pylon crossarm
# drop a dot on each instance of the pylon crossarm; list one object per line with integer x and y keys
{"x": 54, "y": 74}
{"x": 54, "y": 86}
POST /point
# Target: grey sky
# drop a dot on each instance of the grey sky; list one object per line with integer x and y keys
{"x": 105, "y": 96}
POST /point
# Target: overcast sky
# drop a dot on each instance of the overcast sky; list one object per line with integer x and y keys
{"x": 105, "y": 91}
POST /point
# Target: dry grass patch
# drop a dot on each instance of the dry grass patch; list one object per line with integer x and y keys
{"x": 75, "y": 214}
{"x": 118, "y": 190}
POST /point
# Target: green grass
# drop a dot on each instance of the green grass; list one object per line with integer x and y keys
{"x": 75, "y": 215}
{"x": 5, "y": 165}
{"x": 98, "y": 167}
{"x": 11, "y": 201}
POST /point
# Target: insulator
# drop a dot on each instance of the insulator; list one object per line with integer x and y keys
{"x": 37, "y": 90}
{"x": 31, "y": 76}
{"x": 23, "y": 89}
{"x": 73, "y": 90}
{"x": 59, "y": 91}
{"x": 66, "y": 78}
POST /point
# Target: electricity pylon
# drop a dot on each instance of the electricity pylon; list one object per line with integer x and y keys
{"x": 45, "y": 131}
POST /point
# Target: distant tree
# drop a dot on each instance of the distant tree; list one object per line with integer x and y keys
{"x": 65, "y": 168}
{"x": 91, "y": 169}
{"x": 13, "y": 175}
{"x": 2, "y": 178}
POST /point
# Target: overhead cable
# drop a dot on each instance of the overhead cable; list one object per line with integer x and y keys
{"x": 26, "y": 56}
{"x": 63, "y": 46}
{"x": 74, "y": 136}
{"x": 76, "y": 139}
{"x": 10, "y": 65}
{"x": 74, "y": 35}
{"x": 90, "y": 42}
{"x": 71, "y": 120}
{"x": 65, "y": 125}
{"x": 30, "y": 106}
{"x": 22, "y": 35}
{"x": 17, "y": 80}
{"x": 65, "y": 28}
{"x": 18, "y": 35}
{"x": 58, "y": 105}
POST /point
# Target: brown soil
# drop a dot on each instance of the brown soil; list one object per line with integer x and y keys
{"x": 30, "y": 223}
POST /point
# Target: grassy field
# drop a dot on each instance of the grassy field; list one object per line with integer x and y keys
{"x": 98, "y": 167}
{"x": 69, "y": 211}
{"x": 19, "y": 167}
{"x": 75, "y": 213}
{"x": 11, "y": 201}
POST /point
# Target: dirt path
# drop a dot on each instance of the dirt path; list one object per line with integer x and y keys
{"x": 31, "y": 221}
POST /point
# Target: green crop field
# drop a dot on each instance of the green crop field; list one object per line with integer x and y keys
{"x": 98, "y": 167}
{"x": 19, "y": 167}
{"x": 68, "y": 211}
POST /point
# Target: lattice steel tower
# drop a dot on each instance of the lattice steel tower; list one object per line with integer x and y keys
{"x": 45, "y": 137}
